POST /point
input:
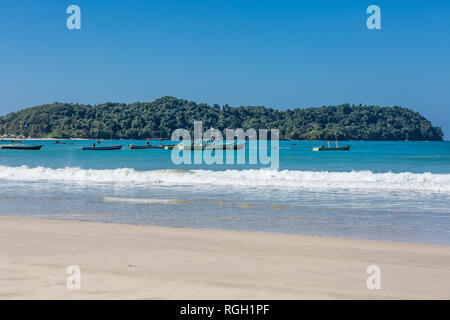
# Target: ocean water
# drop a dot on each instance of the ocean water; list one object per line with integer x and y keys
{"x": 396, "y": 191}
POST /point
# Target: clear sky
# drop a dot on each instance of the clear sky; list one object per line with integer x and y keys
{"x": 281, "y": 54}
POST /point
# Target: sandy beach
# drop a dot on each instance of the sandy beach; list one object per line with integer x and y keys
{"x": 146, "y": 262}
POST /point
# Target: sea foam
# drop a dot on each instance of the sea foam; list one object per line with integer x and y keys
{"x": 362, "y": 180}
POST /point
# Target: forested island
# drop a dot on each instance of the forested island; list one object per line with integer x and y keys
{"x": 158, "y": 119}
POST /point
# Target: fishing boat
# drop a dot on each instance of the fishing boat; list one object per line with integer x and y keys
{"x": 140, "y": 147}
{"x": 190, "y": 147}
{"x": 209, "y": 146}
{"x": 148, "y": 146}
{"x": 21, "y": 147}
{"x": 57, "y": 142}
{"x": 113, "y": 147}
{"x": 220, "y": 146}
{"x": 323, "y": 148}
{"x": 336, "y": 148}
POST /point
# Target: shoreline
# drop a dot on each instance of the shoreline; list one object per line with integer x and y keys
{"x": 120, "y": 261}
{"x": 167, "y": 139}
{"x": 212, "y": 229}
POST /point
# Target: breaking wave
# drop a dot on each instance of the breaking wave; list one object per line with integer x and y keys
{"x": 362, "y": 180}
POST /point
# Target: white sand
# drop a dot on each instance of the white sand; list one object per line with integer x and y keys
{"x": 128, "y": 262}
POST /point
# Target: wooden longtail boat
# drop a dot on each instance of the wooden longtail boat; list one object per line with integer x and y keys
{"x": 323, "y": 148}
{"x": 113, "y": 147}
{"x": 337, "y": 148}
{"x": 21, "y": 147}
{"x": 140, "y": 147}
{"x": 207, "y": 146}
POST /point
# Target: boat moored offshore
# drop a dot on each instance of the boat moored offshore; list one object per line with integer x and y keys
{"x": 17, "y": 146}
{"x": 113, "y": 147}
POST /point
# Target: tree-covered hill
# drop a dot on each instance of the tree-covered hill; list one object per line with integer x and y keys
{"x": 160, "y": 117}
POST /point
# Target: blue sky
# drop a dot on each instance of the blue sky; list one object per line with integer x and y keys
{"x": 281, "y": 54}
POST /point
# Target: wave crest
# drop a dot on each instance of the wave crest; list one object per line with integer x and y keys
{"x": 364, "y": 180}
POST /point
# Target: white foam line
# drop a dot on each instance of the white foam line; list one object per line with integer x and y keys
{"x": 365, "y": 180}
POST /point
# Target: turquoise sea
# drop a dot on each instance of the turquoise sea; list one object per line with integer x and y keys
{"x": 398, "y": 191}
